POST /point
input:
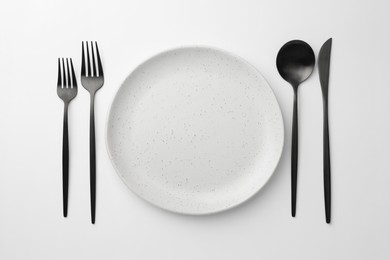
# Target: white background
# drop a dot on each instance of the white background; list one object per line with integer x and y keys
{"x": 33, "y": 34}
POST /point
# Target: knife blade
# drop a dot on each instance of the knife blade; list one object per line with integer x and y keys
{"x": 324, "y": 68}
{"x": 324, "y": 65}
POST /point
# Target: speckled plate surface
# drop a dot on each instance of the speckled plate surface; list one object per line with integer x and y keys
{"x": 195, "y": 131}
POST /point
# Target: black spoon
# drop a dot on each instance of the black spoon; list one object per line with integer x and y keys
{"x": 295, "y": 63}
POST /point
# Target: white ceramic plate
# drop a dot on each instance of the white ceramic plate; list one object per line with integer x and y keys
{"x": 195, "y": 130}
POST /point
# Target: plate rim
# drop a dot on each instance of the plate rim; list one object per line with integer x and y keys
{"x": 183, "y": 212}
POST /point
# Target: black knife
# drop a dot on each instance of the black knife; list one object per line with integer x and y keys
{"x": 323, "y": 66}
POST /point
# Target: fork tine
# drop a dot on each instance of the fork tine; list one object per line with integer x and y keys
{"x": 88, "y": 61}
{"x": 74, "y": 81}
{"x": 68, "y": 70}
{"x": 100, "y": 67}
{"x": 59, "y": 81}
{"x": 93, "y": 61}
{"x": 82, "y": 60}
{"x": 63, "y": 74}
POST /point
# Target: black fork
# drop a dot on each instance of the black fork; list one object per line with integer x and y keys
{"x": 66, "y": 90}
{"x": 92, "y": 79}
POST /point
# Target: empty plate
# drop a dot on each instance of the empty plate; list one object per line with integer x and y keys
{"x": 195, "y": 130}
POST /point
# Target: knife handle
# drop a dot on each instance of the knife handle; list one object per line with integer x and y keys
{"x": 294, "y": 155}
{"x": 327, "y": 180}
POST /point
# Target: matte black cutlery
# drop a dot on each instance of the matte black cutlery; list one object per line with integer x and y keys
{"x": 295, "y": 63}
{"x": 92, "y": 79}
{"x": 66, "y": 90}
{"x": 323, "y": 67}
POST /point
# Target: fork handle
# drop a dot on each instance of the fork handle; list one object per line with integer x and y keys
{"x": 65, "y": 162}
{"x": 92, "y": 158}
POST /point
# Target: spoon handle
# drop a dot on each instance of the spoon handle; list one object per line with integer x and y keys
{"x": 294, "y": 154}
{"x": 326, "y": 164}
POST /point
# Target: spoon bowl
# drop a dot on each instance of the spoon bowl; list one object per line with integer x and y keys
{"x": 295, "y": 62}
